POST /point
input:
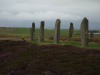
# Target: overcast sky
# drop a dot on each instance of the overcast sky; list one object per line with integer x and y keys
{"x": 21, "y": 13}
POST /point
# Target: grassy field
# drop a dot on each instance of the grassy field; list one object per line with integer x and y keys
{"x": 19, "y": 33}
{"x": 26, "y": 32}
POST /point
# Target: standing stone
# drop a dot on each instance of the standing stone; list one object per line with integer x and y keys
{"x": 84, "y": 32}
{"x": 33, "y": 32}
{"x": 71, "y": 29}
{"x": 42, "y": 31}
{"x": 57, "y": 31}
{"x": 91, "y": 35}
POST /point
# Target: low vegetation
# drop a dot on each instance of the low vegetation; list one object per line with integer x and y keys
{"x": 24, "y": 33}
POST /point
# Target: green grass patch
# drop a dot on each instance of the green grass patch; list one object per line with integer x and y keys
{"x": 94, "y": 45}
{"x": 49, "y": 34}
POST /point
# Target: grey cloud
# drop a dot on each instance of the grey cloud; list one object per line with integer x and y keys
{"x": 67, "y": 10}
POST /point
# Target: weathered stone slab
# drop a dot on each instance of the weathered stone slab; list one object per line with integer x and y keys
{"x": 84, "y": 32}
{"x": 57, "y": 31}
{"x": 42, "y": 31}
{"x": 33, "y": 32}
{"x": 71, "y": 29}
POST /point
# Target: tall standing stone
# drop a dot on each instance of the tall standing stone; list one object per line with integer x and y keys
{"x": 42, "y": 31}
{"x": 33, "y": 32}
{"x": 71, "y": 29}
{"x": 84, "y": 32}
{"x": 57, "y": 31}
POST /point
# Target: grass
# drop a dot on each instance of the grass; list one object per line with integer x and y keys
{"x": 25, "y": 33}
{"x": 74, "y": 43}
{"x": 94, "y": 45}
